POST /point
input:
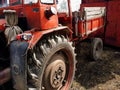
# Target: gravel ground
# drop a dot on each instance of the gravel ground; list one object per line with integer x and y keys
{"x": 103, "y": 74}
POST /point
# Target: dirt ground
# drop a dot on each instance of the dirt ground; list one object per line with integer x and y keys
{"x": 103, "y": 74}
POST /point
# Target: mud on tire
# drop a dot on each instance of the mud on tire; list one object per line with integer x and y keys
{"x": 56, "y": 69}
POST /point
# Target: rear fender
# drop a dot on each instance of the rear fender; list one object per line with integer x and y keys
{"x": 18, "y": 56}
{"x": 37, "y": 35}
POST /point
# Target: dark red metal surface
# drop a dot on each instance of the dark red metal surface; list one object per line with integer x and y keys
{"x": 92, "y": 1}
{"x": 112, "y": 34}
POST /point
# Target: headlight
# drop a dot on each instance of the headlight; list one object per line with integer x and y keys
{"x": 24, "y": 36}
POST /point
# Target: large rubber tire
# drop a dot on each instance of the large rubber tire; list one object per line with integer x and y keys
{"x": 96, "y": 48}
{"x": 57, "y": 58}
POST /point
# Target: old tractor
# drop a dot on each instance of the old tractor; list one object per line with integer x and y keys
{"x": 38, "y": 39}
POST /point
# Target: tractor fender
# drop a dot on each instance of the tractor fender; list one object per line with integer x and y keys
{"x": 18, "y": 57}
{"x": 37, "y": 35}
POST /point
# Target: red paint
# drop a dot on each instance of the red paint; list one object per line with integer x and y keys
{"x": 50, "y": 23}
{"x": 112, "y": 35}
{"x": 92, "y": 24}
{"x": 35, "y": 15}
{"x": 112, "y": 30}
{"x": 2, "y": 24}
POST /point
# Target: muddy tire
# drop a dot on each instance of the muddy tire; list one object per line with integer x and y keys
{"x": 96, "y": 48}
{"x": 56, "y": 67}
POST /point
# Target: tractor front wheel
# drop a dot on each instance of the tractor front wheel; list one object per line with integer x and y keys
{"x": 52, "y": 64}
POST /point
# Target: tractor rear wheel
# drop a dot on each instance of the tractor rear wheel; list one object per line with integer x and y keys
{"x": 96, "y": 48}
{"x": 51, "y": 64}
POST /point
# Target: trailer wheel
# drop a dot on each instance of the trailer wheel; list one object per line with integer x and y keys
{"x": 56, "y": 68}
{"x": 96, "y": 48}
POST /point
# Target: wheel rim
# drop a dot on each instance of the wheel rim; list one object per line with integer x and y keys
{"x": 55, "y": 73}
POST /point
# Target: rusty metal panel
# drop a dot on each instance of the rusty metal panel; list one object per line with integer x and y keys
{"x": 93, "y": 20}
{"x": 94, "y": 12}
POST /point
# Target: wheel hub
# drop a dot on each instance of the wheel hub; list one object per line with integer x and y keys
{"x": 56, "y": 75}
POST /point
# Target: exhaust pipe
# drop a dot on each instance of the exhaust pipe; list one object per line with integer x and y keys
{"x": 5, "y": 76}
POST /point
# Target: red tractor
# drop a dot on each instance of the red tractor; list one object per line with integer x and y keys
{"x": 38, "y": 39}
